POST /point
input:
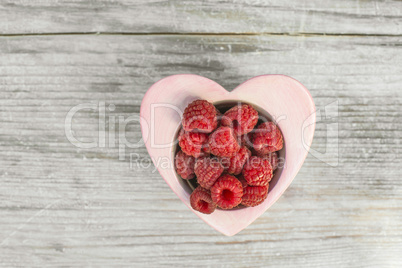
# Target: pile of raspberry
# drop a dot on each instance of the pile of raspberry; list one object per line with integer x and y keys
{"x": 232, "y": 156}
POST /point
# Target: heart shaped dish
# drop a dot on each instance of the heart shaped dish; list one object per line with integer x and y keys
{"x": 277, "y": 97}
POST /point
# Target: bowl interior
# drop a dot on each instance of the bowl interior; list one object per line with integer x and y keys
{"x": 223, "y": 106}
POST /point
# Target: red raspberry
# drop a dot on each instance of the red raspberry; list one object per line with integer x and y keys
{"x": 242, "y": 118}
{"x": 184, "y": 165}
{"x": 267, "y": 138}
{"x": 200, "y": 200}
{"x": 246, "y": 140}
{"x": 223, "y": 143}
{"x": 227, "y": 191}
{"x": 235, "y": 164}
{"x": 207, "y": 171}
{"x": 257, "y": 171}
{"x": 273, "y": 159}
{"x": 191, "y": 143}
{"x": 254, "y": 195}
{"x": 200, "y": 115}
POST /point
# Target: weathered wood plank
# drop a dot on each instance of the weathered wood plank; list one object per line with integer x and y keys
{"x": 66, "y": 206}
{"x": 143, "y": 16}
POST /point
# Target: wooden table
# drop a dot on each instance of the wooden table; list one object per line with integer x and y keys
{"x": 67, "y": 206}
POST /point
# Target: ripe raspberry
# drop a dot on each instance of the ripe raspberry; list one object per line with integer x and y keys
{"x": 184, "y": 165}
{"x": 200, "y": 115}
{"x": 191, "y": 143}
{"x": 273, "y": 159}
{"x": 223, "y": 143}
{"x": 207, "y": 171}
{"x": 257, "y": 171}
{"x": 267, "y": 138}
{"x": 246, "y": 140}
{"x": 200, "y": 200}
{"x": 254, "y": 195}
{"x": 234, "y": 165}
{"x": 227, "y": 191}
{"x": 242, "y": 118}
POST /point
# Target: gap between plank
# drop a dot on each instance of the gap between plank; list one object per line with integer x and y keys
{"x": 201, "y": 34}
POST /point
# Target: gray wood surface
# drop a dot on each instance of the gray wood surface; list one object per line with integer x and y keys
{"x": 66, "y": 206}
{"x": 210, "y": 16}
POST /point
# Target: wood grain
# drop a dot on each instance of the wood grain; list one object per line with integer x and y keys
{"x": 66, "y": 206}
{"x": 362, "y": 17}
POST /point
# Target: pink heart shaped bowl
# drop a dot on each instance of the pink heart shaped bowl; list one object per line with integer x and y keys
{"x": 279, "y": 97}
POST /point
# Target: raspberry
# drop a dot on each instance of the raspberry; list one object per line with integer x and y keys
{"x": 223, "y": 143}
{"x": 242, "y": 118}
{"x": 267, "y": 138}
{"x": 207, "y": 171}
{"x": 257, "y": 171}
{"x": 200, "y": 200}
{"x": 235, "y": 164}
{"x": 227, "y": 191}
{"x": 273, "y": 159}
{"x": 200, "y": 115}
{"x": 185, "y": 165}
{"x": 254, "y": 195}
{"x": 246, "y": 140}
{"x": 191, "y": 143}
